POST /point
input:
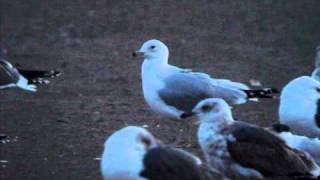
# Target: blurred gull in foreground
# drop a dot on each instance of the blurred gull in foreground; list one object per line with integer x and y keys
{"x": 133, "y": 153}
{"x": 300, "y": 106}
{"x": 24, "y": 79}
{"x": 243, "y": 151}
{"x": 173, "y": 92}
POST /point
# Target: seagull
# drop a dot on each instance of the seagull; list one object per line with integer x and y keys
{"x": 23, "y": 79}
{"x": 172, "y": 91}
{"x": 302, "y": 143}
{"x": 243, "y": 150}
{"x": 134, "y": 152}
{"x": 300, "y": 106}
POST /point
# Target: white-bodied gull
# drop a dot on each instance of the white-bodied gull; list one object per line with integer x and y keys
{"x": 245, "y": 151}
{"x": 300, "y": 106}
{"x": 173, "y": 92}
{"x": 134, "y": 152}
{"x": 24, "y": 79}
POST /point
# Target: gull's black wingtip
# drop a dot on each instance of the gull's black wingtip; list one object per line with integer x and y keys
{"x": 277, "y": 127}
{"x": 272, "y": 90}
{"x": 262, "y": 93}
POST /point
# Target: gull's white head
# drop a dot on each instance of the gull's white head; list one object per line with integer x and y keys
{"x": 303, "y": 86}
{"x": 316, "y": 73}
{"x": 124, "y": 151}
{"x": 213, "y": 110}
{"x": 301, "y": 92}
{"x": 154, "y": 50}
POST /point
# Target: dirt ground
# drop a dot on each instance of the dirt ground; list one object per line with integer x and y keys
{"x": 58, "y": 132}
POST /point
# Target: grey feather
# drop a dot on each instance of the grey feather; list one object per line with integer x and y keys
{"x": 184, "y": 90}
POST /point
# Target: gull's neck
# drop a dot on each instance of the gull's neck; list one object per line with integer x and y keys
{"x": 154, "y": 66}
{"x": 163, "y": 60}
{"x": 211, "y": 134}
{"x": 218, "y": 122}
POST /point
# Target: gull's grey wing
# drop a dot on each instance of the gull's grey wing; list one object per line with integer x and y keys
{"x": 231, "y": 84}
{"x": 8, "y": 74}
{"x": 185, "y": 89}
{"x": 256, "y": 148}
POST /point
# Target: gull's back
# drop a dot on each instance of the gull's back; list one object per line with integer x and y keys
{"x": 185, "y": 89}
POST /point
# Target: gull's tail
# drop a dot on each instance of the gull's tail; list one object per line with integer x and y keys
{"x": 39, "y": 77}
{"x": 261, "y": 93}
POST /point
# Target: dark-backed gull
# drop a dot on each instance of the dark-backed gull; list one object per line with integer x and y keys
{"x": 243, "y": 150}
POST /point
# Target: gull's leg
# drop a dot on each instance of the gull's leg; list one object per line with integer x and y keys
{"x": 185, "y": 136}
{"x": 178, "y": 142}
{"x": 189, "y": 131}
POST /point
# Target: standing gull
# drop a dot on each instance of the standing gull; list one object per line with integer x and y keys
{"x": 24, "y": 79}
{"x": 133, "y": 153}
{"x": 173, "y": 92}
{"x": 242, "y": 150}
{"x": 300, "y": 106}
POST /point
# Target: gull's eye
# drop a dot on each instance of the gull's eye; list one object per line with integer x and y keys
{"x": 206, "y": 108}
{"x": 152, "y": 47}
{"x": 146, "y": 141}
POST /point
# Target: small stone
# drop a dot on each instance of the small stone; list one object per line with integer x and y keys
{"x": 254, "y": 82}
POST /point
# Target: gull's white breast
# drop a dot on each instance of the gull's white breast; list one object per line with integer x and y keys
{"x": 153, "y": 76}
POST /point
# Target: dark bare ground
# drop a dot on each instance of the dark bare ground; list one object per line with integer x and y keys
{"x": 60, "y": 129}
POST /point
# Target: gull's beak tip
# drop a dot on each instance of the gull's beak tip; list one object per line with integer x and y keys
{"x": 134, "y": 54}
{"x": 137, "y": 53}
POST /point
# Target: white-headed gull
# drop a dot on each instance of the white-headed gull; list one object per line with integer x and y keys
{"x": 243, "y": 150}
{"x": 173, "y": 92}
